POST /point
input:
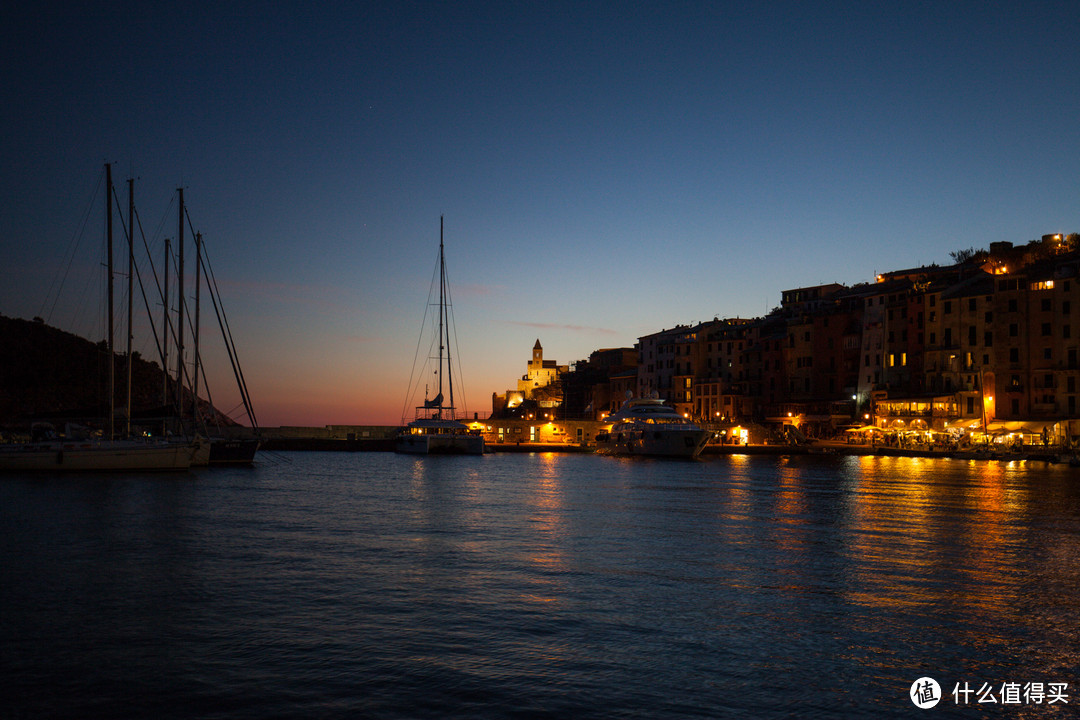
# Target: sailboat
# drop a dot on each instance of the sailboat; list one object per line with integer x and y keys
{"x": 79, "y": 452}
{"x": 215, "y": 449}
{"x": 435, "y": 428}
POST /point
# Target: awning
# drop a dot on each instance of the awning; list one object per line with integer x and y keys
{"x": 965, "y": 424}
{"x": 1031, "y": 427}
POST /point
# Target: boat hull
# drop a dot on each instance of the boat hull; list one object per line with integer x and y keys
{"x": 654, "y": 443}
{"x": 225, "y": 451}
{"x": 439, "y": 444}
{"x": 91, "y": 457}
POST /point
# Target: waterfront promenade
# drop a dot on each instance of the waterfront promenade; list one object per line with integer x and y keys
{"x": 380, "y": 439}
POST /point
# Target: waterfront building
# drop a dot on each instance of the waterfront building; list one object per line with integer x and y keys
{"x": 987, "y": 343}
{"x": 720, "y": 390}
{"x": 538, "y": 389}
{"x": 596, "y": 387}
{"x": 657, "y": 357}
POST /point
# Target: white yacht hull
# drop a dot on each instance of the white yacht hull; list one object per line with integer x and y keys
{"x": 655, "y": 443}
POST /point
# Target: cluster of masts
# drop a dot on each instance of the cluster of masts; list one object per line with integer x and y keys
{"x": 170, "y": 331}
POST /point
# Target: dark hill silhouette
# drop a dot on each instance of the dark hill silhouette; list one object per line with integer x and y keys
{"x": 46, "y": 373}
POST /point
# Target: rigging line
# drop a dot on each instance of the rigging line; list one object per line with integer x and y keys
{"x": 245, "y": 395}
{"x": 69, "y": 253}
{"x": 166, "y": 216}
{"x": 412, "y": 390}
{"x": 230, "y": 345}
{"x": 225, "y": 337}
{"x": 203, "y": 417}
{"x": 452, "y": 322}
{"x": 167, "y": 331}
{"x": 142, "y": 288}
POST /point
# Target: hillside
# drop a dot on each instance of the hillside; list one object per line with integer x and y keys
{"x": 46, "y": 373}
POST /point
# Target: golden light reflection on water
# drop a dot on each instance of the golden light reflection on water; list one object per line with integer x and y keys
{"x": 547, "y": 510}
{"x": 917, "y": 542}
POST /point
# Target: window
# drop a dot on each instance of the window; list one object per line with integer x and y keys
{"x": 1014, "y": 330}
{"x": 1012, "y": 305}
{"x": 948, "y": 307}
{"x": 1014, "y": 355}
{"x": 1046, "y": 305}
{"x": 1045, "y": 329}
{"x": 988, "y": 338}
{"x": 972, "y": 304}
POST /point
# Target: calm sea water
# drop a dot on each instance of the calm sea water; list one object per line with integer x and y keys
{"x": 374, "y": 585}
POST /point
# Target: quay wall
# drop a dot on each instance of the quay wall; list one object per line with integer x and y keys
{"x": 380, "y": 438}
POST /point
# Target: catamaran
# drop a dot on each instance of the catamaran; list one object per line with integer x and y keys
{"x": 436, "y": 428}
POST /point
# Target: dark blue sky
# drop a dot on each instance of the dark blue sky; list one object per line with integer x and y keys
{"x": 606, "y": 169}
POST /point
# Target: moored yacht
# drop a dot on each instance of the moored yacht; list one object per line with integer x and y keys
{"x": 435, "y": 430}
{"x": 646, "y": 426}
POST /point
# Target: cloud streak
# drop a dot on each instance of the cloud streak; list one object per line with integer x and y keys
{"x": 571, "y": 328}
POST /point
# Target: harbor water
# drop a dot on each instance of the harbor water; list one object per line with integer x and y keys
{"x": 373, "y": 585}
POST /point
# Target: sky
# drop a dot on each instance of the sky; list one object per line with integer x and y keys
{"x": 606, "y": 170}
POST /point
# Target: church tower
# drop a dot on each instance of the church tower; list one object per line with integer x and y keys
{"x": 537, "y": 362}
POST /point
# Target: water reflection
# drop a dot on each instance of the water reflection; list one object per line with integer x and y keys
{"x": 745, "y": 586}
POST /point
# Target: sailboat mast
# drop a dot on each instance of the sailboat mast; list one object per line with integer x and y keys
{"x": 109, "y": 263}
{"x": 181, "y": 316}
{"x": 167, "y": 332}
{"x": 442, "y": 310}
{"x": 197, "y": 363}
{"x": 446, "y": 313}
{"x": 131, "y": 289}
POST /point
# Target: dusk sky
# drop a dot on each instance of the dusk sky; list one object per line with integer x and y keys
{"x": 606, "y": 170}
